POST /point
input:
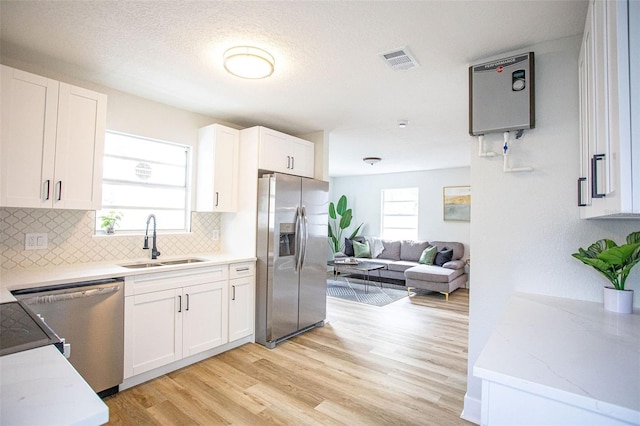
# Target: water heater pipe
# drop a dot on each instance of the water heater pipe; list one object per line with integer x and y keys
{"x": 505, "y": 156}
{"x": 481, "y": 152}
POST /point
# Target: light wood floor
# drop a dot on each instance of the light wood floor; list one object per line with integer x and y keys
{"x": 402, "y": 364}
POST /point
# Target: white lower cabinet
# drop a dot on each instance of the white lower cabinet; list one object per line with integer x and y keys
{"x": 241, "y": 300}
{"x": 173, "y": 315}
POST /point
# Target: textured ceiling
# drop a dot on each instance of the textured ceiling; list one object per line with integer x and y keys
{"x": 328, "y": 76}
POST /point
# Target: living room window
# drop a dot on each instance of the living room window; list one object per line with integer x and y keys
{"x": 400, "y": 214}
{"x": 143, "y": 176}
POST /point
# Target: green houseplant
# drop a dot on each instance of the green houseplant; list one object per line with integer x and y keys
{"x": 110, "y": 220}
{"x": 615, "y": 263}
{"x": 337, "y": 226}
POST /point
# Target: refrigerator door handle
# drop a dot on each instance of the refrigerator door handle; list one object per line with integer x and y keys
{"x": 305, "y": 236}
{"x": 298, "y": 240}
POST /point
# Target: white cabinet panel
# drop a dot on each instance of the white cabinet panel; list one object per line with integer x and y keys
{"x": 218, "y": 156}
{"x": 52, "y": 143}
{"x": 279, "y": 152}
{"x": 241, "y": 307}
{"x": 173, "y": 315}
{"x": 609, "y": 150}
{"x": 153, "y": 331}
{"x": 205, "y": 317}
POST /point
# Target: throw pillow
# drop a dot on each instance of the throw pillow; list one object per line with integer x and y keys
{"x": 428, "y": 255}
{"x": 348, "y": 245}
{"x": 361, "y": 249}
{"x": 391, "y": 250}
{"x": 443, "y": 256}
{"x": 412, "y": 250}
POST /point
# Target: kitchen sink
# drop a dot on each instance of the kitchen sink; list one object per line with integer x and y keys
{"x": 141, "y": 265}
{"x": 182, "y": 261}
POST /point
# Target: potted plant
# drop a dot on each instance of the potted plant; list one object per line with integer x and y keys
{"x": 109, "y": 221}
{"x": 614, "y": 262}
{"x": 337, "y": 226}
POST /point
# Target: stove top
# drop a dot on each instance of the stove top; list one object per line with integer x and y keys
{"x": 21, "y": 329}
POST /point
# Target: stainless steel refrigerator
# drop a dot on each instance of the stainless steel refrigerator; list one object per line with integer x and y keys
{"x": 291, "y": 286}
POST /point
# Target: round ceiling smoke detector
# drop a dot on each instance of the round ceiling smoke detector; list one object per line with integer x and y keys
{"x": 248, "y": 62}
{"x": 372, "y": 160}
{"x": 403, "y": 124}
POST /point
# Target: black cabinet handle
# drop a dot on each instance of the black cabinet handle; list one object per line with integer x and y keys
{"x": 179, "y": 303}
{"x": 293, "y": 163}
{"x": 595, "y": 173}
{"x": 217, "y": 198}
{"x": 233, "y": 297}
{"x": 47, "y": 191}
{"x": 59, "y": 190}
{"x": 580, "y": 202}
{"x": 187, "y": 301}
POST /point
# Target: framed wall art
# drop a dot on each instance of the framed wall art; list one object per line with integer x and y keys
{"x": 456, "y": 201}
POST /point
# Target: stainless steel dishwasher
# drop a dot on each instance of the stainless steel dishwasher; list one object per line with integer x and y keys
{"x": 90, "y": 317}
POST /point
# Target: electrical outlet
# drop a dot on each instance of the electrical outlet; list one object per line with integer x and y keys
{"x": 35, "y": 241}
{"x": 215, "y": 235}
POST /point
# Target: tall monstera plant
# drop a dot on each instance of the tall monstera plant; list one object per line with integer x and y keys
{"x": 340, "y": 218}
{"x": 611, "y": 260}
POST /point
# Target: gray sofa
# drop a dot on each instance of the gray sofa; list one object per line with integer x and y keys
{"x": 401, "y": 262}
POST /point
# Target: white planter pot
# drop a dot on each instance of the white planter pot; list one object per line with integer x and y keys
{"x": 620, "y": 301}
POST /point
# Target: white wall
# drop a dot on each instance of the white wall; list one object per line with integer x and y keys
{"x": 364, "y": 197}
{"x": 525, "y": 226}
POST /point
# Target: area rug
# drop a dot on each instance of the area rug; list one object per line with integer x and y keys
{"x": 354, "y": 290}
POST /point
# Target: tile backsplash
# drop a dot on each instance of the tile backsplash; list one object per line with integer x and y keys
{"x": 71, "y": 239}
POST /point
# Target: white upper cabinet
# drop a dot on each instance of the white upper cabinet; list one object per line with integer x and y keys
{"x": 218, "y": 153}
{"x": 52, "y": 142}
{"x": 609, "y": 102}
{"x": 279, "y": 152}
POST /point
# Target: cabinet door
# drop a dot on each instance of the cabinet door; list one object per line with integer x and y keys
{"x": 303, "y": 157}
{"x": 27, "y": 145}
{"x": 79, "y": 148}
{"x": 205, "y": 317}
{"x": 153, "y": 333}
{"x": 241, "y": 307}
{"x": 586, "y": 102}
{"x": 218, "y": 154}
{"x": 275, "y": 151}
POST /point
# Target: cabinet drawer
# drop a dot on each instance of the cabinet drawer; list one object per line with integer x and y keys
{"x": 245, "y": 269}
{"x": 175, "y": 279}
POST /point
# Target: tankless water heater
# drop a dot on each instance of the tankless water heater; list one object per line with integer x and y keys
{"x": 501, "y": 95}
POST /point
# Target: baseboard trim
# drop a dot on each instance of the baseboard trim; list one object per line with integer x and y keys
{"x": 471, "y": 411}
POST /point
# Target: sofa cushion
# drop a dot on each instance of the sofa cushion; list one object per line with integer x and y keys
{"x": 432, "y": 273}
{"x": 361, "y": 249}
{"x": 428, "y": 255}
{"x": 348, "y": 245}
{"x": 454, "y": 264}
{"x": 443, "y": 256}
{"x": 400, "y": 265}
{"x": 412, "y": 250}
{"x": 391, "y": 250}
{"x": 458, "y": 248}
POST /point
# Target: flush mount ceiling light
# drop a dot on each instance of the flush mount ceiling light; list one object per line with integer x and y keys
{"x": 248, "y": 62}
{"x": 372, "y": 160}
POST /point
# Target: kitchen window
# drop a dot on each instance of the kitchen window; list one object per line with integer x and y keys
{"x": 400, "y": 214}
{"x": 143, "y": 176}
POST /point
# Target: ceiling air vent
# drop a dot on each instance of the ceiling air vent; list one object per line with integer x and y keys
{"x": 399, "y": 59}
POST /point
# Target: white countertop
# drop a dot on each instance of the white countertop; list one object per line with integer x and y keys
{"x": 568, "y": 350}
{"x": 15, "y": 279}
{"x": 40, "y": 387}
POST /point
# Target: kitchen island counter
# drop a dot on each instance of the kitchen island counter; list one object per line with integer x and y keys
{"x": 561, "y": 361}
{"x": 39, "y": 387}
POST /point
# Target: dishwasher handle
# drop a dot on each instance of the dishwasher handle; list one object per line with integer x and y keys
{"x": 52, "y": 298}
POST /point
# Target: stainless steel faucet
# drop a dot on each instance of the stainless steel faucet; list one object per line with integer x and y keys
{"x": 154, "y": 249}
